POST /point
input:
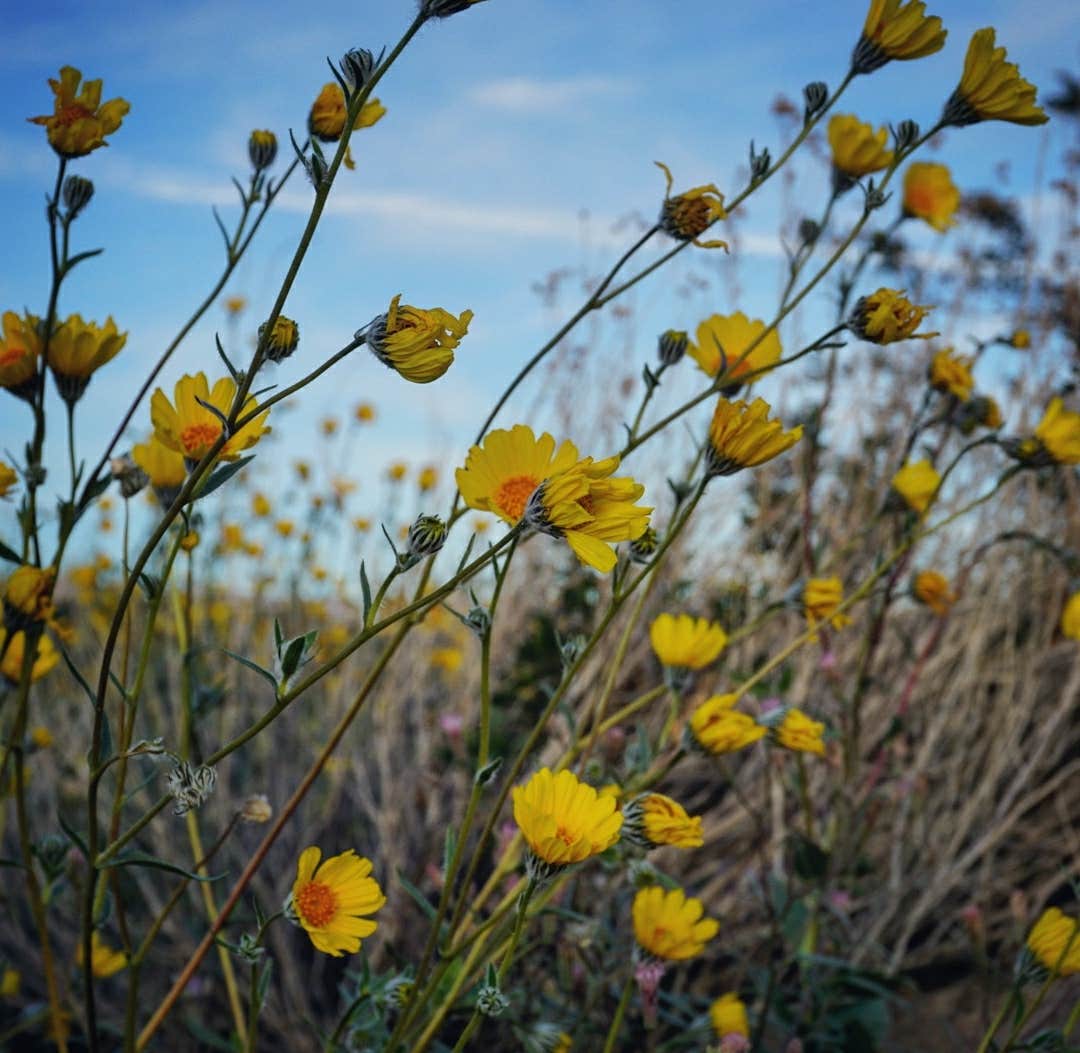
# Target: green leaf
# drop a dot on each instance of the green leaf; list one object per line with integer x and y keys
{"x": 488, "y": 772}
{"x": 222, "y": 475}
{"x": 811, "y": 862}
{"x": 75, "y": 260}
{"x": 419, "y": 898}
{"x": 73, "y": 837}
{"x": 79, "y": 678}
{"x": 365, "y": 588}
{"x": 141, "y": 859}
{"x": 9, "y": 554}
{"x": 254, "y": 666}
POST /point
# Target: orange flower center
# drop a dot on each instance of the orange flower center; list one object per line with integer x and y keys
{"x": 317, "y": 904}
{"x": 195, "y": 438}
{"x": 920, "y": 200}
{"x": 71, "y": 113}
{"x": 565, "y": 836}
{"x": 11, "y": 354}
{"x": 513, "y": 494}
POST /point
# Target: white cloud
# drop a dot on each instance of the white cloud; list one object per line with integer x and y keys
{"x": 530, "y": 95}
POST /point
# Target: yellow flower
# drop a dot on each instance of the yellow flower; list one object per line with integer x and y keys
{"x": 930, "y": 194}
{"x": 262, "y": 148}
{"x": 190, "y": 541}
{"x": 799, "y": 733}
{"x": 887, "y": 316}
{"x": 104, "y": 961}
{"x": 728, "y": 1015}
{"x": 1020, "y": 339}
{"x": 719, "y": 728}
{"x": 78, "y": 349}
{"x": 260, "y": 505}
{"x": 41, "y": 737}
{"x": 564, "y": 820}
{"x": 742, "y": 436}
{"x": 365, "y": 412}
{"x": 397, "y": 471}
{"x": 428, "y": 478}
{"x": 721, "y": 348}
{"x": 10, "y": 981}
{"x": 303, "y": 470}
{"x": 8, "y": 479}
{"x": 417, "y": 343}
{"x": 501, "y": 473}
{"x": 328, "y": 426}
{"x": 952, "y": 373}
{"x": 284, "y": 527}
{"x": 191, "y": 429}
{"x": 28, "y": 596}
{"x": 1055, "y": 941}
{"x": 564, "y": 1043}
{"x": 235, "y": 304}
{"x": 19, "y": 352}
{"x": 361, "y": 524}
{"x": 668, "y": 925}
{"x": 1070, "y": 617}
{"x": 857, "y": 150}
{"x": 932, "y": 589}
{"x": 654, "y": 820}
{"x": 896, "y": 30}
{"x": 991, "y": 89}
{"x": 163, "y": 465}
{"x": 330, "y": 901}
{"x": 326, "y": 121}
{"x": 80, "y": 122}
{"x": 821, "y": 598}
{"x": 448, "y": 659}
{"x": 589, "y": 510}
{"x": 917, "y": 483}
{"x": 688, "y": 215}
{"x": 684, "y": 642}
{"x": 1059, "y": 433}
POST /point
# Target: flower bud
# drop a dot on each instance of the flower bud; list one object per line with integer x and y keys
{"x": 904, "y": 135}
{"x": 642, "y": 548}
{"x": 671, "y": 346}
{"x": 77, "y": 194}
{"x": 815, "y": 94}
{"x": 283, "y": 339}
{"x": 357, "y": 66}
{"x": 129, "y": 475}
{"x": 426, "y": 536}
{"x": 262, "y": 149}
{"x": 490, "y": 1001}
{"x": 444, "y": 8}
{"x": 759, "y": 164}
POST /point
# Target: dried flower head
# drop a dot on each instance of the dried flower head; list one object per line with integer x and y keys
{"x": 688, "y": 215}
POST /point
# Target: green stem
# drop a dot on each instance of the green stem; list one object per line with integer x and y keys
{"x": 620, "y": 1012}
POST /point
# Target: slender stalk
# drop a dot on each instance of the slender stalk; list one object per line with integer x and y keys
{"x": 620, "y": 1012}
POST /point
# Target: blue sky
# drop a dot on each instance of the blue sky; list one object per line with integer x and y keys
{"x": 518, "y": 134}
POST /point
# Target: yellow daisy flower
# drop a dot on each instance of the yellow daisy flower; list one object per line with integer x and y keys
{"x": 45, "y": 658}
{"x": 799, "y": 733}
{"x": 104, "y": 960}
{"x": 821, "y": 598}
{"x": 857, "y": 150}
{"x": 991, "y": 89}
{"x": 1059, "y": 433}
{"x": 418, "y": 344}
{"x": 654, "y": 820}
{"x": 163, "y": 465}
{"x": 720, "y": 348}
{"x": 931, "y": 589}
{"x": 19, "y": 353}
{"x": 728, "y": 1015}
{"x": 1070, "y": 617}
{"x": 930, "y": 194}
{"x": 896, "y": 30}
{"x": 742, "y": 436}
{"x": 688, "y": 215}
{"x": 9, "y": 479}
{"x": 917, "y": 483}
{"x": 951, "y": 374}
{"x": 1055, "y": 941}
{"x": 28, "y": 596}
{"x": 326, "y": 121}
{"x": 78, "y": 349}
{"x": 669, "y": 926}
{"x": 80, "y": 121}
{"x": 684, "y": 642}
{"x": 717, "y": 727}
{"x": 330, "y": 901}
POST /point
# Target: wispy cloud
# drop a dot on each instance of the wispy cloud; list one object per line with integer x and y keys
{"x": 531, "y": 95}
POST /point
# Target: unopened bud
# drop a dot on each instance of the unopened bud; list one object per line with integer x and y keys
{"x": 671, "y": 346}
{"x": 759, "y": 164}
{"x": 77, "y": 194}
{"x": 356, "y": 66}
{"x": 815, "y": 94}
{"x": 643, "y": 548}
{"x": 129, "y": 475}
{"x": 283, "y": 339}
{"x": 262, "y": 149}
{"x": 426, "y": 536}
{"x": 904, "y": 135}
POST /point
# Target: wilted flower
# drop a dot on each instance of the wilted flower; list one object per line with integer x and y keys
{"x": 1055, "y": 941}
{"x": 951, "y": 374}
{"x": 887, "y": 316}
{"x": 728, "y": 1015}
{"x": 917, "y": 483}
{"x": 991, "y": 89}
{"x": 896, "y": 30}
{"x": 326, "y": 121}
{"x": 129, "y": 475}
{"x": 669, "y": 926}
{"x": 19, "y": 352}
{"x": 717, "y": 727}
{"x": 419, "y": 344}
{"x": 190, "y": 785}
{"x": 742, "y": 436}
{"x": 799, "y": 733}
{"x": 857, "y": 150}
{"x": 78, "y": 349}
{"x": 262, "y": 149}
{"x": 654, "y": 820}
{"x": 283, "y": 338}
{"x": 683, "y": 642}
{"x": 688, "y": 215}
{"x": 822, "y": 598}
{"x": 1058, "y": 433}
{"x": 78, "y": 193}
{"x": 930, "y": 194}
{"x": 721, "y": 348}
{"x": 931, "y": 588}
{"x": 80, "y": 121}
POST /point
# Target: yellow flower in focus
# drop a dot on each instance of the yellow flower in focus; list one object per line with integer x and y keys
{"x": 19, "y": 353}
{"x": 501, "y": 473}
{"x": 728, "y": 1016}
{"x": 8, "y": 480}
{"x": 365, "y": 413}
{"x": 742, "y": 436}
{"x": 564, "y": 820}
{"x": 669, "y": 926}
{"x": 416, "y": 343}
{"x": 683, "y": 642}
{"x": 104, "y": 961}
{"x": 235, "y": 304}
{"x": 952, "y": 374}
{"x": 857, "y": 150}
{"x": 932, "y": 589}
{"x": 41, "y": 737}
{"x": 886, "y": 316}
{"x": 260, "y": 505}
{"x": 191, "y": 429}
{"x": 930, "y": 194}
{"x": 428, "y": 478}
{"x": 331, "y": 901}
{"x": 78, "y": 349}
{"x": 283, "y": 339}
{"x": 917, "y": 483}
{"x": 991, "y": 89}
{"x": 80, "y": 122}
{"x": 10, "y": 981}
{"x": 896, "y": 30}
{"x": 28, "y": 596}
{"x": 590, "y": 510}
{"x": 821, "y": 598}
{"x": 163, "y": 465}
{"x": 1059, "y": 433}
{"x": 1070, "y": 617}
{"x": 721, "y": 347}
{"x": 654, "y": 820}
{"x": 688, "y": 215}
{"x": 717, "y": 727}
{"x": 1055, "y": 941}
{"x": 799, "y": 733}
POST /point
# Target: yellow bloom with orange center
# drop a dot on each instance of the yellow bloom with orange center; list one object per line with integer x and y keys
{"x": 1055, "y": 941}
{"x": 1059, "y": 433}
{"x": 684, "y": 642}
{"x": 326, "y": 121}
{"x": 886, "y": 316}
{"x": 46, "y": 656}
{"x": 688, "y": 215}
{"x": 104, "y": 960}
{"x": 417, "y": 343}
{"x": 28, "y": 595}
{"x": 670, "y": 926}
{"x": 821, "y": 599}
{"x": 8, "y": 479}
{"x": 917, "y": 483}
{"x": 655, "y": 820}
{"x": 952, "y": 374}
{"x": 1070, "y": 617}
{"x": 931, "y": 588}
{"x": 857, "y": 150}
{"x": 742, "y": 436}
{"x": 80, "y": 121}
{"x": 78, "y": 349}
{"x": 990, "y": 88}
{"x": 733, "y": 346}
{"x": 332, "y": 901}
{"x": 930, "y": 194}
{"x": 799, "y": 733}
{"x": 19, "y": 353}
{"x": 717, "y": 727}
{"x": 728, "y": 1015}
{"x": 564, "y": 820}
{"x": 895, "y": 29}
{"x": 191, "y": 429}
{"x": 501, "y": 474}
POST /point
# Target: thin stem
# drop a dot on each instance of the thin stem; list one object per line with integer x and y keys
{"x": 620, "y": 1012}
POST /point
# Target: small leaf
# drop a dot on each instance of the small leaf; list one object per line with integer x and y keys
{"x": 225, "y": 358}
{"x": 73, "y": 837}
{"x": 418, "y": 897}
{"x": 9, "y": 554}
{"x": 290, "y": 660}
{"x": 141, "y": 859}
{"x": 810, "y": 860}
{"x": 79, "y": 678}
{"x": 254, "y": 666}
{"x": 488, "y": 772}
{"x": 365, "y": 588}
{"x": 79, "y": 257}
{"x": 222, "y": 475}
{"x": 279, "y": 637}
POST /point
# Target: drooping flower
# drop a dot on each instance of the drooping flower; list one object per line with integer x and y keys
{"x": 886, "y": 316}
{"x": 1059, "y": 433}
{"x": 1055, "y": 941}
{"x": 717, "y": 727}
{"x": 930, "y": 194}
{"x": 917, "y": 483}
{"x": 728, "y": 1015}
{"x": 104, "y": 960}
{"x": 590, "y": 510}
{"x": 191, "y": 429}
{"x": 797, "y": 732}
{"x": 721, "y": 348}
{"x": 8, "y": 479}
{"x": 684, "y": 642}
{"x": 78, "y": 349}
{"x": 262, "y": 149}
{"x": 331, "y": 902}
{"x": 564, "y": 820}
{"x": 80, "y": 121}
{"x": 951, "y": 374}
{"x": 46, "y": 656}
{"x": 931, "y": 588}
{"x": 821, "y": 599}
{"x": 326, "y": 121}
{"x": 742, "y": 436}
{"x": 688, "y": 215}
{"x": 857, "y": 150}
{"x": 654, "y": 820}
{"x": 1070, "y": 617}
{"x": 419, "y": 344}
{"x": 19, "y": 353}
{"x": 669, "y": 926}
{"x": 27, "y": 597}
{"x": 991, "y": 89}
{"x": 896, "y": 30}
{"x": 163, "y": 465}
